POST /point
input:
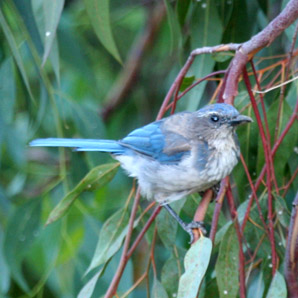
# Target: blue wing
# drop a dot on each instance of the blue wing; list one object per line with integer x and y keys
{"x": 151, "y": 140}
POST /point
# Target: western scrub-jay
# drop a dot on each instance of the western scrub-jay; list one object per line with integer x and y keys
{"x": 184, "y": 153}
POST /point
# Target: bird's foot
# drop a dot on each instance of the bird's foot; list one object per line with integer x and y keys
{"x": 188, "y": 227}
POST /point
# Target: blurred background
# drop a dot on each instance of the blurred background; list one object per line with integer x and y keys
{"x": 99, "y": 69}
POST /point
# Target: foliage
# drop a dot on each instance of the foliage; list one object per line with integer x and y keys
{"x": 87, "y": 68}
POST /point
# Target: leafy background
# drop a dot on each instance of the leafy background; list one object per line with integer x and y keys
{"x": 62, "y": 64}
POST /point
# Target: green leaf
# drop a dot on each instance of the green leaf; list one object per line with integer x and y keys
{"x": 287, "y": 146}
{"x": 158, "y": 290}
{"x": 15, "y": 52}
{"x": 182, "y": 8}
{"x": 206, "y": 30}
{"x": 22, "y": 227}
{"x": 278, "y": 288}
{"x": 98, "y": 11}
{"x": 96, "y": 178}
{"x": 282, "y": 212}
{"x": 52, "y": 14}
{"x": 87, "y": 290}
{"x": 226, "y": 267}
{"x": 25, "y": 10}
{"x": 5, "y": 279}
{"x": 7, "y": 91}
{"x": 196, "y": 262}
{"x": 187, "y": 81}
{"x": 167, "y": 225}
{"x": 174, "y": 26}
{"x": 172, "y": 270}
{"x": 110, "y": 238}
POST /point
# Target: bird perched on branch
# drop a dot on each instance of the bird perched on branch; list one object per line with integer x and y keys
{"x": 184, "y": 153}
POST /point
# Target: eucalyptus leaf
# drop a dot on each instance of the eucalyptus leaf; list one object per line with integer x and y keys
{"x": 96, "y": 178}
{"x": 278, "y": 287}
{"x": 196, "y": 262}
{"x": 227, "y": 273}
{"x": 99, "y": 14}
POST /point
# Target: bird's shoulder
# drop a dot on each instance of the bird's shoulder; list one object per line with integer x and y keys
{"x": 166, "y": 140}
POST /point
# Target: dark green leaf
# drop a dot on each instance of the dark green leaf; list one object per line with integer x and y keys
{"x": 22, "y": 228}
{"x": 226, "y": 268}
{"x": 205, "y": 19}
{"x": 174, "y": 26}
{"x": 99, "y": 14}
{"x": 187, "y": 81}
{"x": 7, "y": 91}
{"x": 172, "y": 270}
{"x": 15, "y": 51}
{"x": 96, "y": 178}
{"x": 196, "y": 262}
{"x": 181, "y": 10}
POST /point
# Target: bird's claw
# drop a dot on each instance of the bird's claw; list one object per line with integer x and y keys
{"x": 194, "y": 225}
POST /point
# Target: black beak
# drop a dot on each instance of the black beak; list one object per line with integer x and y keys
{"x": 240, "y": 119}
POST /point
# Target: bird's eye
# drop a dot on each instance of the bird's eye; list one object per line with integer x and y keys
{"x": 214, "y": 118}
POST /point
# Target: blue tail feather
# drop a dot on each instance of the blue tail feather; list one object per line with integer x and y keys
{"x": 81, "y": 144}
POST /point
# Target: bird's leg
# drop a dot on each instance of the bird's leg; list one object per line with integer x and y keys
{"x": 186, "y": 226}
{"x": 215, "y": 188}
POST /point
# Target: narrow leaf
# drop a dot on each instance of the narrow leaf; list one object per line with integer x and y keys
{"x": 110, "y": 238}
{"x": 278, "y": 288}
{"x": 52, "y": 13}
{"x": 227, "y": 265}
{"x": 158, "y": 290}
{"x": 15, "y": 51}
{"x": 174, "y": 26}
{"x": 98, "y": 11}
{"x": 172, "y": 270}
{"x": 96, "y": 178}
{"x": 87, "y": 290}
{"x": 196, "y": 262}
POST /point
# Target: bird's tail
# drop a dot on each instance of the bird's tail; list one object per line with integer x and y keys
{"x": 81, "y": 144}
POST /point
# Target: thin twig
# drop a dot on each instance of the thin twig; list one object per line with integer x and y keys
{"x": 248, "y": 49}
{"x": 114, "y": 284}
{"x": 269, "y": 174}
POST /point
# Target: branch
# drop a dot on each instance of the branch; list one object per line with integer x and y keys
{"x": 248, "y": 49}
{"x": 114, "y": 284}
{"x": 291, "y": 260}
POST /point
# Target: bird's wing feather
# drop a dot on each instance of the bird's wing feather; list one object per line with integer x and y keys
{"x": 151, "y": 140}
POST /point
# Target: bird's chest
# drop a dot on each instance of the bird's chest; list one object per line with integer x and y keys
{"x": 222, "y": 160}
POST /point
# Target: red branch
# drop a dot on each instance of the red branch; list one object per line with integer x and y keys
{"x": 219, "y": 199}
{"x": 114, "y": 284}
{"x": 267, "y": 152}
{"x": 278, "y": 142}
{"x": 255, "y": 44}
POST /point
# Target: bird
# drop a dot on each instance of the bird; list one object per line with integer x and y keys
{"x": 181, "y": 154}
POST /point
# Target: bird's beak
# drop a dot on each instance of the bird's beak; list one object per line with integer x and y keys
{"x": 240, "y": 119}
